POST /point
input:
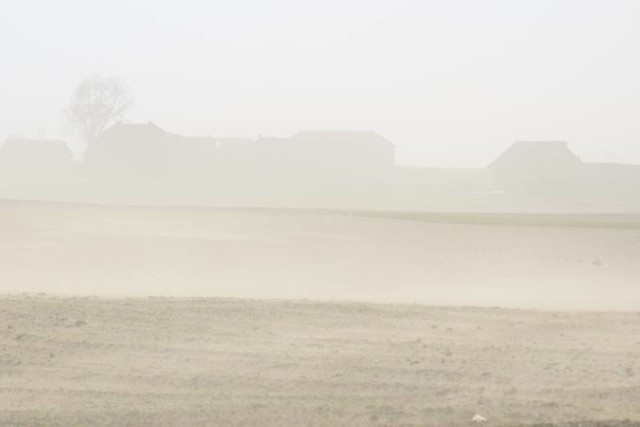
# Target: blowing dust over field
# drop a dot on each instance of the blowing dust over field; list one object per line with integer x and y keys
{"x": 324, "y": 213}
{"x": 180, "y": 360}
{"x": 269, "y": 253}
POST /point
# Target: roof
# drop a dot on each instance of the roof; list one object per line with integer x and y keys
{"x": 524, "y": 154}
{"x": 42, "y": 148}
{"x": 133, "y": 130}
{"x": 614, "y": 166}
{"x": 151, "y": 132}
{"x": 357, "y": 137}
{"x": 231, "y": 141}
{"x": 330, "y": 137}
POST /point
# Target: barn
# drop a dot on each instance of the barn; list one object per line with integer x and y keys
{"x": 326, "y": 154}
{"x": 539, "y": 168}
{"x": 33, "y": 161}
{"x": 147, "y": 153}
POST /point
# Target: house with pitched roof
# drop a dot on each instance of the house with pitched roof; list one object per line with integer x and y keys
{"x": 539, "y": 168}
{"x": 147, "y": 153}
{"x": 31, "y": 161}
{"x": 327, "y": 154}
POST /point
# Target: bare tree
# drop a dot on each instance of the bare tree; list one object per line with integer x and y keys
{"x": 97, "y": 102}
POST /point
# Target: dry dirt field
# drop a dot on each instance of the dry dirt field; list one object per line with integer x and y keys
{"x": 203, "y": 316}
{"x": 544, "y": 261}
{"x": 183, "y": 362}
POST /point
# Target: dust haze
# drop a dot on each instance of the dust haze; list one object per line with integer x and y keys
{"x": 320, "y": 213}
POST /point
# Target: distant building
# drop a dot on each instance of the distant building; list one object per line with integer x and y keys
{"x": 32, "y": 161}
{"x": 539, "y": 168}
{"x": 613, "y": 181}
{"x": 452, "y": 181}
{"x": 326, "y": 154}
{"x": 145, "y": 152}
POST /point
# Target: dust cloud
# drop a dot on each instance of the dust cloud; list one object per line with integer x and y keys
{"x": 347, "y": 213}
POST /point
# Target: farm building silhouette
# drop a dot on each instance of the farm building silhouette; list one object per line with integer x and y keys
{"x": 336, "y": 167}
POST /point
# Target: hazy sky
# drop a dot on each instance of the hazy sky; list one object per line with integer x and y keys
{"x": 451, "y": 82}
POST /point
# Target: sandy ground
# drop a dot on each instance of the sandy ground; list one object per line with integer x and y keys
{"x": 159, "y": 361}
{"x": 564, "y": 346}
{"x": 76, "y": 249}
